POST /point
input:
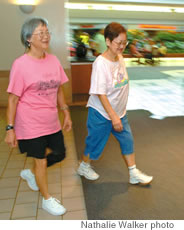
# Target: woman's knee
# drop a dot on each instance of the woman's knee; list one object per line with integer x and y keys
{"x": 41, "y": 163}
{"x": 55, "y": 157}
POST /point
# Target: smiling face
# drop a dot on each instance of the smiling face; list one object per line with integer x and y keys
{"x": 118, "y": 44}
{"x": 40, "y": 38}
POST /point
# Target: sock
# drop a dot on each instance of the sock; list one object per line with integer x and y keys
{"x": 132, "y": 169}
{"x": 85, "y": 163}
{"x": 47, "y": 198}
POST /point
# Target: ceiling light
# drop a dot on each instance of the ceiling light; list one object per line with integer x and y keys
{"x": 27, "y": 9}
{"x": 26, "y": 2}
{"x": 86, "y": 6}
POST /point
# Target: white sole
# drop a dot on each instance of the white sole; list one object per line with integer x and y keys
{"x": 81, "y": 174}
{"x": 149, "y": 182}
{"x": 53, "y": 213}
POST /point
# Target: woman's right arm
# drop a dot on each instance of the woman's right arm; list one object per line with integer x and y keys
{"x": 116, "y": 121}
{"x": 10, "y": 138}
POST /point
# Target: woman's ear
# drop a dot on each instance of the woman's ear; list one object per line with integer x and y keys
{"x": 108, "y": 42}
{"x": 29, "y": 40}
{"x": 28, "y": 43}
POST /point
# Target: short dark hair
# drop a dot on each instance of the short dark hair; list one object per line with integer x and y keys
{"x": 113, "y": 30}
{"x": 28, "y": 28}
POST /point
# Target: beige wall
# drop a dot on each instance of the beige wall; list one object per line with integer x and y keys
{"x": 11, "y": 20}
{"x": 3, "y": 87}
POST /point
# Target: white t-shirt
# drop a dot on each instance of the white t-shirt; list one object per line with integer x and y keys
{"x": 110, "y": 79}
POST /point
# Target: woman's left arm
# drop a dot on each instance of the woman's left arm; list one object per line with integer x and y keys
{"x": 67, "y": 123}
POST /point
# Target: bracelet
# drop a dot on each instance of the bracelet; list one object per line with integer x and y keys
{"x": 65, "y": 107}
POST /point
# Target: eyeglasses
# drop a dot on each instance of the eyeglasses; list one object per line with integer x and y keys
{"x": 122, "y": 43}
{"x": 42, "y": 34}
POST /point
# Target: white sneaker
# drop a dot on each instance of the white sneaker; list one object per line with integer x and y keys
{"x": 86, "y": 170}
{"x": 137, "y": 177}
{"x": 27, "y": 175}
{"x": 53, "y": 206}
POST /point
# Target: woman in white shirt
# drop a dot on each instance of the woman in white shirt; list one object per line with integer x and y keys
{"x": 107, "y": 107}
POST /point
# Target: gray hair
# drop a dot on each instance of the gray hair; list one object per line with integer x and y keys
{"x": 28, "y": 28}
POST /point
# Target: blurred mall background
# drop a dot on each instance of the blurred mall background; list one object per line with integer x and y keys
{"x": 77, "y": 22}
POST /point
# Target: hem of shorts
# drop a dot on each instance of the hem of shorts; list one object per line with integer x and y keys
{"x": 97, "y": 158}
{"x": 92, "y": 158}
{"x": 32, "y": 155}
{"x": 40, "y": 135}
{"x": 127, "y": 153}
{"x": 36, "y": 157}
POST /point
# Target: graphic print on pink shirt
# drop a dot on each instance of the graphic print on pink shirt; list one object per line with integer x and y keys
{"x": 46, "y": 88}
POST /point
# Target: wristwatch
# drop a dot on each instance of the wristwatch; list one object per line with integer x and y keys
{"x": 8, "y": 127}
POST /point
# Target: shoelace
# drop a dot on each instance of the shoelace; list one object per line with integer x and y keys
{"x": 89, "y": 166}
{"x": 33, "y": 182}
{"x": 56, "y": 200}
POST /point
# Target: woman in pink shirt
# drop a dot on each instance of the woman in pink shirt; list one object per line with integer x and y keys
{"x": 35, "y": 91}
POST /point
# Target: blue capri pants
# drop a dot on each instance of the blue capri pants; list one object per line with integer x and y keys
{"x": 99, "y": 130}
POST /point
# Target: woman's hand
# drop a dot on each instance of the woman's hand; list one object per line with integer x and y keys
{"x": 116, "y": 121}
{"x": 67, "y": 123}
{"x": 117, "y": 124}
{"x": 11, "y": 139}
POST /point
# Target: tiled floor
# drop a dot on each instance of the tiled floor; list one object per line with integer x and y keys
{"x": 17, "y": 201}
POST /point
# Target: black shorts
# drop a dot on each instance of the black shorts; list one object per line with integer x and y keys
{"x": 36, "y": 147}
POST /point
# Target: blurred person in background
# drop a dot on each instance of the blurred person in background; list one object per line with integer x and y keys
{"x": 162, "y": 49}
{"x": 147, "y": 51}
{"x": 100, "y": 42}
{"x": 134, "y": 51}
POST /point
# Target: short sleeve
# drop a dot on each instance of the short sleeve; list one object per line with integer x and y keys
{"x": 64, "y": 78}
{"x": 16, "y": 82}
{"x": 62, "y": 73}
{"x": 98, "y": 78}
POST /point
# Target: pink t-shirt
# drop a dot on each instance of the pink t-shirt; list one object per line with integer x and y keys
{"x": 110, "y": 79}
{"x": 36, "y": 83}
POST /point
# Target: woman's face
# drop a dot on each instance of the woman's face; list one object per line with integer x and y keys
{"x": 40, "y": 38}
{"x": 118, "y": 44}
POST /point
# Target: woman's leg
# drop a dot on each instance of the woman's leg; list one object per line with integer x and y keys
{"x": 37, "y": 176}
{"x": 135, "y": 175}
{"x": 85, "y": 158}
{"x": 126, "y": 142}
{"x": 49, "y": 203}
{"x": 99, "y": 129}
{"x": 55, "y": 151}
{"x": 40, "y": 170}
{"x": 129, "y": 159}
{"x": 33, "y": 167}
